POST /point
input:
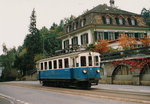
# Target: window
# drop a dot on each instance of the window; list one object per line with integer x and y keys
{"x": 132, "y": 21}
{"x": 83, "y": 22}
{"x": 105, "y": 35}
{"x": 50, "y": 65}
{"x": 84, "y": 39}
{"x": 120, "y": 21}
{"x": 107, "y": 20}
{"x": 60, "y": 63}
{"x": 66, "y": 44}
{"x": 131, "y": 35}
{"x": 111, "y": 36}
{"x": 66, "y": 63}
{"x": 45, "y": 64}
{"x": 96, "y": 63}
{"x": 55, "y": 64}
{"x": 67, "y": 29}
{"x": 74, "y": 26}
{"x": 83, "y": 61}
{"x": 139, "y": 35}
{"x": 98, "y": 36}
{"x": 90, "y": 60}
{"x": 41, "y": 66}
{"x": 116, "y": 35}
{"x": 74, "y": 42}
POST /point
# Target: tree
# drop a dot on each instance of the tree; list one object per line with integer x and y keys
{"x": 32, "y": 43}
{"x": 8, "y": 61}
{"x": 102, "y": 46}
{"x": 126, "y": 42}
{"x": 146, "y": 16}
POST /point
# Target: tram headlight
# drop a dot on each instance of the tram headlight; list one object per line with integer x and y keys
{"x": 84, "y": 71}
{"x": 98, "y": 71}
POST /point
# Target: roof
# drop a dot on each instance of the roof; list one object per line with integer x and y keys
{"x": 110, "y": 10}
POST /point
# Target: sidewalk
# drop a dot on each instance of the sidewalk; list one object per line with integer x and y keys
{"x": 4, "y": 100}
{"x": 145, "y": 89}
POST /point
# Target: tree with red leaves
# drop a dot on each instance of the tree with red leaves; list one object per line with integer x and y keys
{"x": 126, "y": 42}
{"x": 102, "y": 46}
{"x": 145, "y": 41}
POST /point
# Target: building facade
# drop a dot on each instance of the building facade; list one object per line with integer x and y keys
{"x": 102, "y": 23}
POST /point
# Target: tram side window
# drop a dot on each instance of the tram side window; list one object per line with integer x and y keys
{"x": 90, "y": 60}
{"x": 66, "y": 62}
{"x": 55, "y": 64}
{"x": 60, "y": 63}
{"x": 41, "y": 66}
{"x": 50, "y": 65}
{"x": 96, "y": 61}
{"x": 45, "y": 64}
{"x": 83, "y": 61}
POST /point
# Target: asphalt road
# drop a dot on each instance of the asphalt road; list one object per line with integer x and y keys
{"x": 24, "y": 95}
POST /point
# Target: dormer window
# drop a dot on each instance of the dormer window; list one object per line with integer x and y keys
{"x": 120, "y": 21}
{"x": 132, "y": 21}
{"x": 68, "y": 30}
{"x": 74, "y": 26}
{"x": 83, "y": 21}
{"x": 107, "y": 20}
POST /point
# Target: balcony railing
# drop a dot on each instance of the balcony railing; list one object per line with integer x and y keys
{"x": 125, "y": 54}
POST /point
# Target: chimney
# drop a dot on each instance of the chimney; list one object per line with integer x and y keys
{"x": 112, "y": 2}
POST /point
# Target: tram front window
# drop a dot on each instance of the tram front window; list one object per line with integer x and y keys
{"x": 83, "y": 61}
{"x": 90, "y": 60}
{"x": 96, "y": 61}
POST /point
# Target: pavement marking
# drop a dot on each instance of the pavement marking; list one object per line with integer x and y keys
{"x": 13, "y": 100}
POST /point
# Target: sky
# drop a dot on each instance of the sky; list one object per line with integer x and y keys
{"x": 15, "y": 15}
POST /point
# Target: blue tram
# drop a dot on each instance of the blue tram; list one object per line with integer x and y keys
{"x": 80, "y": 69}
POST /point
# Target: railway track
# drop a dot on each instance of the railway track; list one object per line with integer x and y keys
{"x": 129, "y": 96}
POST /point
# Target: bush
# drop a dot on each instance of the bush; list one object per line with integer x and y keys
{"x": 9, "y": 74}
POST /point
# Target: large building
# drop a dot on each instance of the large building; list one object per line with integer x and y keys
{"x": 102, "y": 23}
{"x": 105, "y": 22}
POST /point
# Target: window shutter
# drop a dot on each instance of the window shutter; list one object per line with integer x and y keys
{"x": 129, "y": 20}
{"x": 67, "y": 43}
{"x": 76, "y": 40}
{"x": 95, "y": 36}
{"x": 79, "y": 24}
{"x": 105, "y": 35}
{"x": 136, "y": 22}
{"x": 81, "y": 39}
{"x": 104, "y": 20}
{"x": 117, "y": 21}
{"x": 87, "y": 38}
{"x": 111, "y": 21}
{"x": 116, "y": 35}
{"x": 124, "y": 21}
{"x": 136, "y": 35}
